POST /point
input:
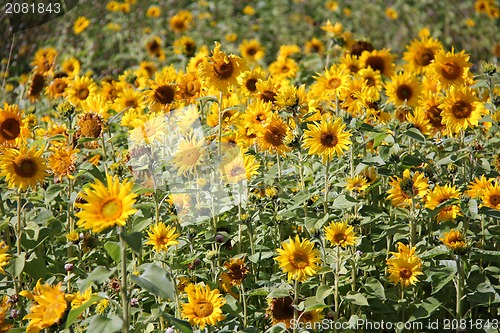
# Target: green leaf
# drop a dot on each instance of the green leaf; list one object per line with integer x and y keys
{"x": 323, "y": 292}
{"x": 101, "y": 324}
{"x": 414, "y": 133}
{"x": 440, "y": 277}
{"x": 479, "y": 254}
{"x": 134, "y": 240}
{"x": 490, "y": 212}
{"x": 74, "y": 313}
{"x": 36, "y": 267}
{"x": 374, "y": 288}
{"x": 98, "y": 276}
{"x": 473, "y": 207}
{"x": 356, "y": 298}
{"x": 280, "y": 292}
{"x": 155, "y": 280}
{"x": 19, "y": 263}
{"x": 182, "y": 325}
{"x": 113, "y": 249}
{"x": 425, "y": 309}
{"x": 434, "y": 252}
{"x": 343, "y": 202}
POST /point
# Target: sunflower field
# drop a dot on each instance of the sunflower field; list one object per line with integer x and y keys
{"x": 250, "y": 166}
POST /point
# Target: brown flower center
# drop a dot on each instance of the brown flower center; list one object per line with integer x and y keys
{"x": 495, "y": 199}
{"x": 461, "y": 109}
{"x": 59, "y": 86}
{"x": 82, "y": 93}
{"x": 274, "y": 136}
{"x": 37, "y": 84}
{"x": 451, "y": 71}
{"x": 10, "y": 129}
{"x": 376, "y": 63}
{"x": 250, "y": 84}
{"x": 404, "y": 92}
{"x": 164, "y": 94}
{"x": 329, "y": 140}
{"x": 25, "y": 167}
{"x": 434, "y": 115}
{"x": 203, "y": 309}
{"x": 282, "y": 309}
{"x": 424, "y": 57}
{"x": 268, "y": 96}
{"x": 251, "y": 51}
{"x": 224, "y": 71}
{"x": 339, "y": 238}
{"x": 299, "y": 260}
{"x": 131, "y": 103}
{"x": 90, "y": 126}
{"x": 405, "y": 273}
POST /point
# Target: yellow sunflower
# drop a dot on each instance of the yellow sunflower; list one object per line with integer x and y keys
{"x": 13, "y": 131}
{"x": 404, "y": 267}
{"x": 162, "y": 236}
{"x": 331, "y": 83}
{"x": 419, "y": 120}
{"x": 44, "y": 60}
{"x": 4, "y": 311}
{"x": 148, "y": 129}
{"x": 379, "y": 60}
{"x": 491, "y": 196}
{"x": 420, "y": 53}
{"x": 153, "y": 11}
{"x": 372, "y": 77}
{"x": 154, "y": 48}
{"x": 62, "y": 162}
{"x": 341, "y": 234}
{"x": 204, "y": 305}
{"x": 22, "y": 168}
{"x": 79, "y": 298}
{"x": 441, "y": 194}
{"x": 275, "y": 135}
{"x": 180, "y": 22}
{"x": 327, "y": 138}
{"x": 57, "y": 87}
{"x": 48, "y": 309}
{"x": 239, "y": 167}
{"x": 356, "y": 183}
{"x": 283, "y": 68}
{"x": 221, "y": 71}
{"x": 351, "y": 63}
{"x": 162, "y": 91}
{"x": 450, "y": 68}
{"x": 280, "y": 310}
{"x": 185, "y": 45}
{"x": 477, "y": 187}
{"x": 314, "y": 46}
{"x": 298, "y": 258}
{"x": 79, "y": 89}
{"x": 454, "y": 240}
{"x": 4, "y": 256}
{"x": 106, "y": 205}
{"x": 81, "y": 24}
{"x": 248, "y": 80}
{"x": 256, "y": 115}
{"x": 190, "y": 154}
{"x": 189, "y": 86}
{"x": 408, "y": 187}
{"x": 268, "y": 89}
{"x": 251, "y": 50}
{"x": 71, "y": 67}
{"x": 403, "y": 89}
{"x": 431, "y": 105}
{"x": 461, "y": 109}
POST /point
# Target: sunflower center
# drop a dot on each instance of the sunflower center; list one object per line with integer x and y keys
{"x": 90, "y": 126}
{"x": 299, "y": 260}
{"x": 25, "y": 167}
{"x": 37, "y": 85}
{"x": 82, "y": 93}
{"x": 275, "y": 136}
{"x": 250, "y": 84}
{"x": 333, "y": 83}
{"x": 236, "y": 272}
{"x": 191, "y": 156}
{"x": 495, "y": 199}
{"x": 268, "y": 96}
{"x": 425, "y": 57}
{"x": 112, "y": 209}
{"x": 239, "y": 170}
{"x": 153, "y": 46}
{"x": 164, "y": 94}
{"x": 461, "y": 109}
{"x": 370, "y": 81}
{"x": 203, "y": 309}
{"x": 10, "y": 129}
{"x": 339, "y": 238}
{"x": 405, "y": 273}
{"x": 451, "y": 71}
{"x": 131, "y": 103}
{"x": 224, "y": 70}
{"x": 60, "y": 86}
{"x": 404, "y": 92}
{"x": 407, "y": 186}
{"x": 434, "y": 115}
{"x": 251, "y": 51}
{"x": 282, "y": 309}
{"x": 329, "y": 140}
{"x": 376, "y": 63}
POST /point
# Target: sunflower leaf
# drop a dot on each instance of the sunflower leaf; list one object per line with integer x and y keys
{"x": 74, "y": 313}
{"x": 182, "y": 325}
{"x": 155, "y": 280}
{"x": 134, "y": 240}
{"x": 101, "y": 324}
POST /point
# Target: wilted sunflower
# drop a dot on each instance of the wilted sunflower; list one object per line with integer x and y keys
{"x": 440, "y": 194}
{"x": 341, "y": 234}
{"x": 48, "y": 309}
{"x": 161, "y": 236}
{"x": 404, "y": 267}
{"x": 420, "y": 53}
{"x": 403, "y": 89}
{"x": 162, "y": 91}
{"x": 326, "y": 138}
{"x": 4, "y": 256}
{"x": 12, "y": 129}
{"x": 235, "y": 272}
{"x": 36, "y": 87}
{"x": 62, "y": 162}
{"x": 408, "y": 187}
{"x": 379, "y": 60}
{"x": 204, "y": 305}
{"x": 251, "y": 50}
{"x": 189, "y": 155}
{"x": 221, "y": 71}
{"x": 106, "y": 205}
{"x": 22, "y": 168}
{"x": 450, "y": 68}
{"x": 461, "y": 109}
{"x": 299, "y": 259}
{"x": 491, "y": 196}
{"x": 90, "y": 125}
{"x": 79, "y": 89}
{"x": 454, "y": 240}
{"x": 280, "y": 310}
{"x": 275, "y": 135}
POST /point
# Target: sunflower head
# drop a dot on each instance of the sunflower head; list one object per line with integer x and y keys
{"x": 204, "y": 305}
{"x": 23, "y": 168}
{"x": 341, "y": 234}
{"x": 4, "y": 256}
{"x": 162, "y": 236}
{"x": 280, "y": 310}
{"x": 298, "y": 258}
{"x": 455, "y": 241}
{"x": 404, "y": 266}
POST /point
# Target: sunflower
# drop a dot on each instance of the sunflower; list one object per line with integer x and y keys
{"x": 431, "y": 103}
{"x": 36, "y": 87}
{"x": 239, "y": 167}
{"x": 4, "y": 307}
{"x": 440, "y": 194}
{"x": 189, "y": 86}
{"x": 153, "y": 11}
{"x": 351, "y": 63}
{"x": 331, "y": 83}
{"x": 81, "y": 24}
{"x": 62, "y": 162}
{"x": 236, "y": 271}
{"x": 185, "y": 45}
{"x": 162, "y": 91}
{"x": 275, "y": 135}
{"x": 359, "y": 97}
{"x": 162, "y": 236}
{"x": 256, "y": 115}
{"x": 408, "y": 187}
{"x": 57, "y": 87}
{"x": 356, "y": 184}
{"x": 454, "y": 240}
{"x": 12, "y": 128}
{"x": 341, "y": 234}
{"x": 326, "y": 138}
{"x": 204, "y": 305}
{"x": 450, "y": 68}
{"x": 461, "y": 109}
{"x": 283, "y": 68}
{"x": 268, "y": 89}
{"x": 372, "y": 77}
{"x": 251, "y": 50}
{"x": 79, "y": 298}
{"x": 180, "y": 22}
{"x": 248, "y": 81}
{"x": 190, "y": 154}
{"x": 79, "y": 89}
{"x": 4, "y": 256}
{"x": 420, "y": 53}
{"x": 281, "y": 310}
{"x": 491, "y": 196}
{"x": 98, "y": 105}
{"x": 71, "y": 67}
{"x": 106, "y": 205}
{"x": 48, "y": 309}
{"x": 153, "y": 46}
{"x": 148, "y": 129}
{"x": 44, "y": 60}
{"x": 381, "y": 61}
{"x": 311, "y": 317}
{"x": 403, "y": 89}
{"x": 477, "y": 187}
{"x": 298, "y": 258}
{"x": 404, "y": 266}
{"x": 314, "y": 46}
{"x": 221, "y": 71}
{"x": 22, "y": 168}
{"x": 419, "y": 120}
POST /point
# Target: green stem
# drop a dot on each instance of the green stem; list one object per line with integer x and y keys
{"x": 19, "y": 235}
{"x": 336, "y": 285}
{"x": 244, "y": 301}
{"x": 327, "y": 186}
{"x": 124, "y": 291}
{"x": 460, "y": 287}
{"x": 295, "y": 303}
{"x": 413, "y": 226}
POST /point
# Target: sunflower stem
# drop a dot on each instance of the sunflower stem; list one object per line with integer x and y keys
{"x": 460, "y": 287}
{"x": 124, "y": 292}
{"x": 295, "y": 303}
{"x": 327, "y": 187}
{"x": 413, "y": 226}
{"x": 19, "y": 234}
{"x": 336, "y": 285}
{"x": 244, "y": 301}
